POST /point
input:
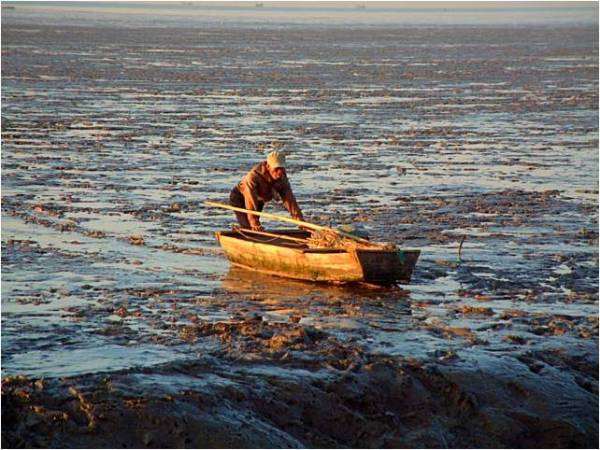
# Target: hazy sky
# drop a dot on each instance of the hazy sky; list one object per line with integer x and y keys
{"x": 413, "y": 13}
{"x": 334, "y": 4}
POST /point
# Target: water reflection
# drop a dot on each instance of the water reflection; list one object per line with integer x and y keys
{"x": 380, "y": 318}
{"x": 246, "y": 282}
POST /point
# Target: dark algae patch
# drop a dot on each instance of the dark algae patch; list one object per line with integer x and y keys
{"x": 123, "y": 325}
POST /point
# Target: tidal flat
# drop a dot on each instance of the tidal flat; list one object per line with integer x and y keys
{"x": 123, "y": 324}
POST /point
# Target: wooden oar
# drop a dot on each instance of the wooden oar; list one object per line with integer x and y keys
{"x": 309, "y": 225}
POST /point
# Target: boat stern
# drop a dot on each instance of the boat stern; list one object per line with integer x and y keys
{"x": 389, "y": 266}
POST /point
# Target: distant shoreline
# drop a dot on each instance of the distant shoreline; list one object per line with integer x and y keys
{"x": 187, "y": 14}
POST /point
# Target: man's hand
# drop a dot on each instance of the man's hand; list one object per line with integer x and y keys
{"x": 257, "y": 228}
{"x": 301, "y": 217}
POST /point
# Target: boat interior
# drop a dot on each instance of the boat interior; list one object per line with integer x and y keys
{"x": 291, "y": 238}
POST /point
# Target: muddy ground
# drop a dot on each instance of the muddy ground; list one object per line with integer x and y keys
{"x": 123, "y": 325}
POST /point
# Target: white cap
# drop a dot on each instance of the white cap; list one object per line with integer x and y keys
{"x": 276, "y": 159}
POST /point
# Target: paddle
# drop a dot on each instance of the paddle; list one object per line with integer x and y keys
{"x": 309, "y": 225}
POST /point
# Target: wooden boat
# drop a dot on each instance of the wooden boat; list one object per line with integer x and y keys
{"x": 294, "y": 259}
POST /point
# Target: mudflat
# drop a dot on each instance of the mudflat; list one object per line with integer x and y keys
{"x": 123, "y": 325}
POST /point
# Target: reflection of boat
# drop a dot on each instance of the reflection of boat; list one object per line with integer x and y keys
{"x": 293, "y": 259}
{"x": 285, "y": 299}
{"x": 259, "y": 5}
{"x": 249, "y": 282}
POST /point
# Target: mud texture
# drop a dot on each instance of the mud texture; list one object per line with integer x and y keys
{"x": 123, "y": 324}
{"x": 288, "y": 385}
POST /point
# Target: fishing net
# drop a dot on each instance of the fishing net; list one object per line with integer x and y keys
{"x": 331, "y": 239}
{"x": 327, "y": 239}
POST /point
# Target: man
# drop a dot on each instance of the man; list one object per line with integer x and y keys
{"x": 259, "y": 186}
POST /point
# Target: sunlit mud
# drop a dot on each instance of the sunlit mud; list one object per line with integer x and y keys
{"x": 123, "y": 323}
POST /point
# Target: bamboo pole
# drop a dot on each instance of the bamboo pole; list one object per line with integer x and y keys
{"x": 289, "y": 220}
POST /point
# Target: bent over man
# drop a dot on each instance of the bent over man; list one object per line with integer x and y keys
{"x": 259, "y": 186}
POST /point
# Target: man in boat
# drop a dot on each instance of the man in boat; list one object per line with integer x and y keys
{"x": 259, "y": 186}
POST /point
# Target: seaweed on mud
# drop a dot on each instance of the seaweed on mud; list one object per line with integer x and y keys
{"x": 474, "y": 149}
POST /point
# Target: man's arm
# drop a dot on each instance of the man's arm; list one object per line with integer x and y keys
{"x": 289, "y": 200}
{"x": 248, "y": 189}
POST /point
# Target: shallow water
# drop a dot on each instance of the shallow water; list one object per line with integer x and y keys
{"x": 422, "y": 135}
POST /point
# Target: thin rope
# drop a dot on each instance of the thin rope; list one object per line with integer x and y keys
{"x": 266, "y": 241}
{"x": 255, "y": 239}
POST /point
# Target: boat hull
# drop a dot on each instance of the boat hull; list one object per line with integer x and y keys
{"x": 287, "y": 259}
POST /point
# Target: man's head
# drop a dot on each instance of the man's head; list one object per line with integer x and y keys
{"x": 276, "y": 164}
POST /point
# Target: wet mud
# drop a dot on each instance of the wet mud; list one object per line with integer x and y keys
{"x": 123, "y": 324}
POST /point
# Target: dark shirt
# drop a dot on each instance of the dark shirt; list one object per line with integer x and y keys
{"x": 259, "y": 187}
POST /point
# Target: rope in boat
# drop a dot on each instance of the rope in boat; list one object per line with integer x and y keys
{"x": 265, "y": 241}
{"x": 254, "y": 239}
